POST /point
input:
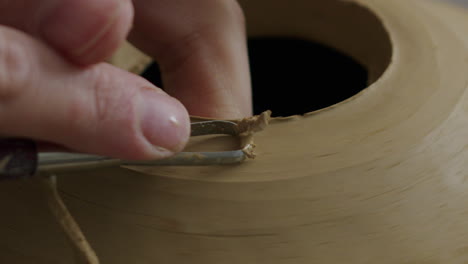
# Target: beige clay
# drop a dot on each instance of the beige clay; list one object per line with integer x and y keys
{"x": 379, "y": 178}
{"x": 130, "y": 58}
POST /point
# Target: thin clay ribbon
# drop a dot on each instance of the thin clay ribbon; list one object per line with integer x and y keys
{"x": 84, "y": 253}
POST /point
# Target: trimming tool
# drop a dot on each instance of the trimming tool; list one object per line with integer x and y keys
{"x": 19, "y": 158}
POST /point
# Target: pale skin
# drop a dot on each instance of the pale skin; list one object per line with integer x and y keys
{"x": 55, "y": 87}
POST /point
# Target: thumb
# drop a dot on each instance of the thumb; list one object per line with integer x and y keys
{"x": 84, "y": 31}
{"x": 100, "y": 109}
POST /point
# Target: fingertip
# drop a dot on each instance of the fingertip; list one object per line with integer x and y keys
{"x": 164, "y": 122}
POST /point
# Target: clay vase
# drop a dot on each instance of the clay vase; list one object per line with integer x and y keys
{"x": 378, "y": 178}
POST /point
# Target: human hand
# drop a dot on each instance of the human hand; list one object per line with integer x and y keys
{"x": 54, "y": 87}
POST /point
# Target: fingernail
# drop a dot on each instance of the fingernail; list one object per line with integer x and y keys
{"x": 164, "y": 121}
{"x": 76, "y": 26}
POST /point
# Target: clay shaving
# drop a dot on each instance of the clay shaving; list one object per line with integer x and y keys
{"x": 254, "y": 124}
{"x": 248, "y": 127}
{"x": 83, "y": 251}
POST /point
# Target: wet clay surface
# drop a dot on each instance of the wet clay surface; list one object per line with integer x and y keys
{"x": 378, "y": 178}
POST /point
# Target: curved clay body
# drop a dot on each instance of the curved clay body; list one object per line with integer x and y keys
{"x": 379, "y": 178}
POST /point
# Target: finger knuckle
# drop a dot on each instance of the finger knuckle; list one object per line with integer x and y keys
{"x": 101, "y": 107}
{"x": 103, "y": 104}
{"x": 110, "y": 104}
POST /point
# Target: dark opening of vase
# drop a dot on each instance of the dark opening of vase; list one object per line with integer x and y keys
{"x": 310, "y": 56}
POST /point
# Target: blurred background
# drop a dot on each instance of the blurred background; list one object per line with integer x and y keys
{"x": 463, "y": 2}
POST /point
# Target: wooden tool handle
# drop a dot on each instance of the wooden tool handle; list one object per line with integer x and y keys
{"x": 18, "y": 158}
